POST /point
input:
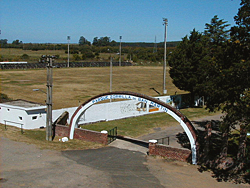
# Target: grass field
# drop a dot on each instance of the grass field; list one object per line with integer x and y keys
{"x": 14, "y": 54}
{"x": 72, "y": 86}
{"x": 142, "y": 125}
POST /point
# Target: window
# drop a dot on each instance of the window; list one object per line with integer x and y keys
{"x": 34, "y": 117}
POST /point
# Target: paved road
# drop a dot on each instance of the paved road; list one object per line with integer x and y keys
{"x": 124, "y": 168}
{"x": 24, "y": 165}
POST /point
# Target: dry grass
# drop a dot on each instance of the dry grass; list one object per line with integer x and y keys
{"x": 14, "y": 54}
{"x": 71, "y": 85}
{"x": 37, "y": 137}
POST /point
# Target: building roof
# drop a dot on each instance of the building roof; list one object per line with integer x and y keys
{"x": 23, "y": 103}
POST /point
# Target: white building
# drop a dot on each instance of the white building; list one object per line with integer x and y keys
{"x": 23, "y": 114}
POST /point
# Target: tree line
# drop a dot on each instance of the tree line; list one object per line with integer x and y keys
{"x": 216, "y": 64}
{"x": 98, "y": 42}
{"x": 85, "y": 50}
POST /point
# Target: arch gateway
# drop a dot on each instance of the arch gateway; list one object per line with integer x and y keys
{"x": 177, "y": 115}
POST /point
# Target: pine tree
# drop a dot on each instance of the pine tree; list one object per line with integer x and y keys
{"x": 241, "y": 39}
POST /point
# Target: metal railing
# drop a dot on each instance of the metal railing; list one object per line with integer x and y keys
{"x": 164, "y": 141}
{"x": 61, "y": 65}
{"x": 112, "y": 133}
{"x": 14, "y": 123}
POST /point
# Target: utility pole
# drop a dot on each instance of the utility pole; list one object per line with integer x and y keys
{"x": 120, "y": 59}
{"x": 165, "y": 20}
{"x": 68, "y": 38}
{"x": 49, "y": 100}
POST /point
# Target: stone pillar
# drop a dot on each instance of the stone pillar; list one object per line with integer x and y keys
{"x": 106, "y": 136}
{"x": 151, "y": 147}
{"x": 104, "y": 132}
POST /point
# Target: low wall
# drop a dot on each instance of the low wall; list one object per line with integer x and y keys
{"x": 92, "y": 136}
{"x": 83, "y": 134}
{"x": 62, "y": 130}
{"x": 169, "y": 152}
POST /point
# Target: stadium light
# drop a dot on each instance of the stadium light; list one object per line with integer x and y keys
{"x": 68, "y": 38}
{"x": 165, "y": 22}
{"x": 120, "y": 60}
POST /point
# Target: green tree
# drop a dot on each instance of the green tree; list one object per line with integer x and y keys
{"x": 3, "y": 97}
{"x": 225, "y": 79}
{"x": 17, "y": 42}
{"x": 76, "y": 57}
{"x": 103, "y": 41}
{"x": 83, "y": 41}
{"x": 25, "y": 57}
{"x": 214, "y": 63}
{"x": 185, "y": 62}
{"x": 3, "y": 42}
{"x": 217, "y": 31}
{"x": 240, "y": 108}
{"x": 95, "y": 41}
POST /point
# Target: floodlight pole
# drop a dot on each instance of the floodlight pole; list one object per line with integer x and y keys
{"x": 68, "y": 38}
{"x": 111, "y": 76}
{"x": 111, "y": 66}
{"x": 165, "y": 20}
{"x": 49, "y": 100}
{"x": 120, "y": 59}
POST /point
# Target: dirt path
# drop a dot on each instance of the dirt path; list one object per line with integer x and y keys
{"x": 173, "y": 131}
{"x": 180, "y": 174}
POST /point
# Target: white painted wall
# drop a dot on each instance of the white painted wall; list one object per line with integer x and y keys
{"x": 110, "y": 111}
{"x": 33, "y": 118}
{"x": 26, "y": 118}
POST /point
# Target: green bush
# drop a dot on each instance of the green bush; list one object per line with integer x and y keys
{"x": 25, "y": 57}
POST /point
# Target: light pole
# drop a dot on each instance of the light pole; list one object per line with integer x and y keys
{"x": 111, "y": 66}
{"x": 120, "y": 59}
{"x": 165, "y": 20}
{"x": 68, "y": 38}
{"x": 111, "y": 76}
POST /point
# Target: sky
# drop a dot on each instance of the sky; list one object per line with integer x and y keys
{"x": 51, "y": 21}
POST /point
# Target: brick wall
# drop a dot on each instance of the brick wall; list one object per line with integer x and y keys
{"x": 169, "y": 152}
{"x": 62, "y": 130}
{"x": 83, "y": 134}
{"x": 92, "y": 136}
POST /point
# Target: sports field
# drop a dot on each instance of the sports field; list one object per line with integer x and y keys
{"x": 72, "y": 86}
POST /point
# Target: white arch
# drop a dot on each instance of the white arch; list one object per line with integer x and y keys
{"x": 141, "y": 98}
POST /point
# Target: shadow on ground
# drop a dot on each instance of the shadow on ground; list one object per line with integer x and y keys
{"x": 214, "y": 150}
